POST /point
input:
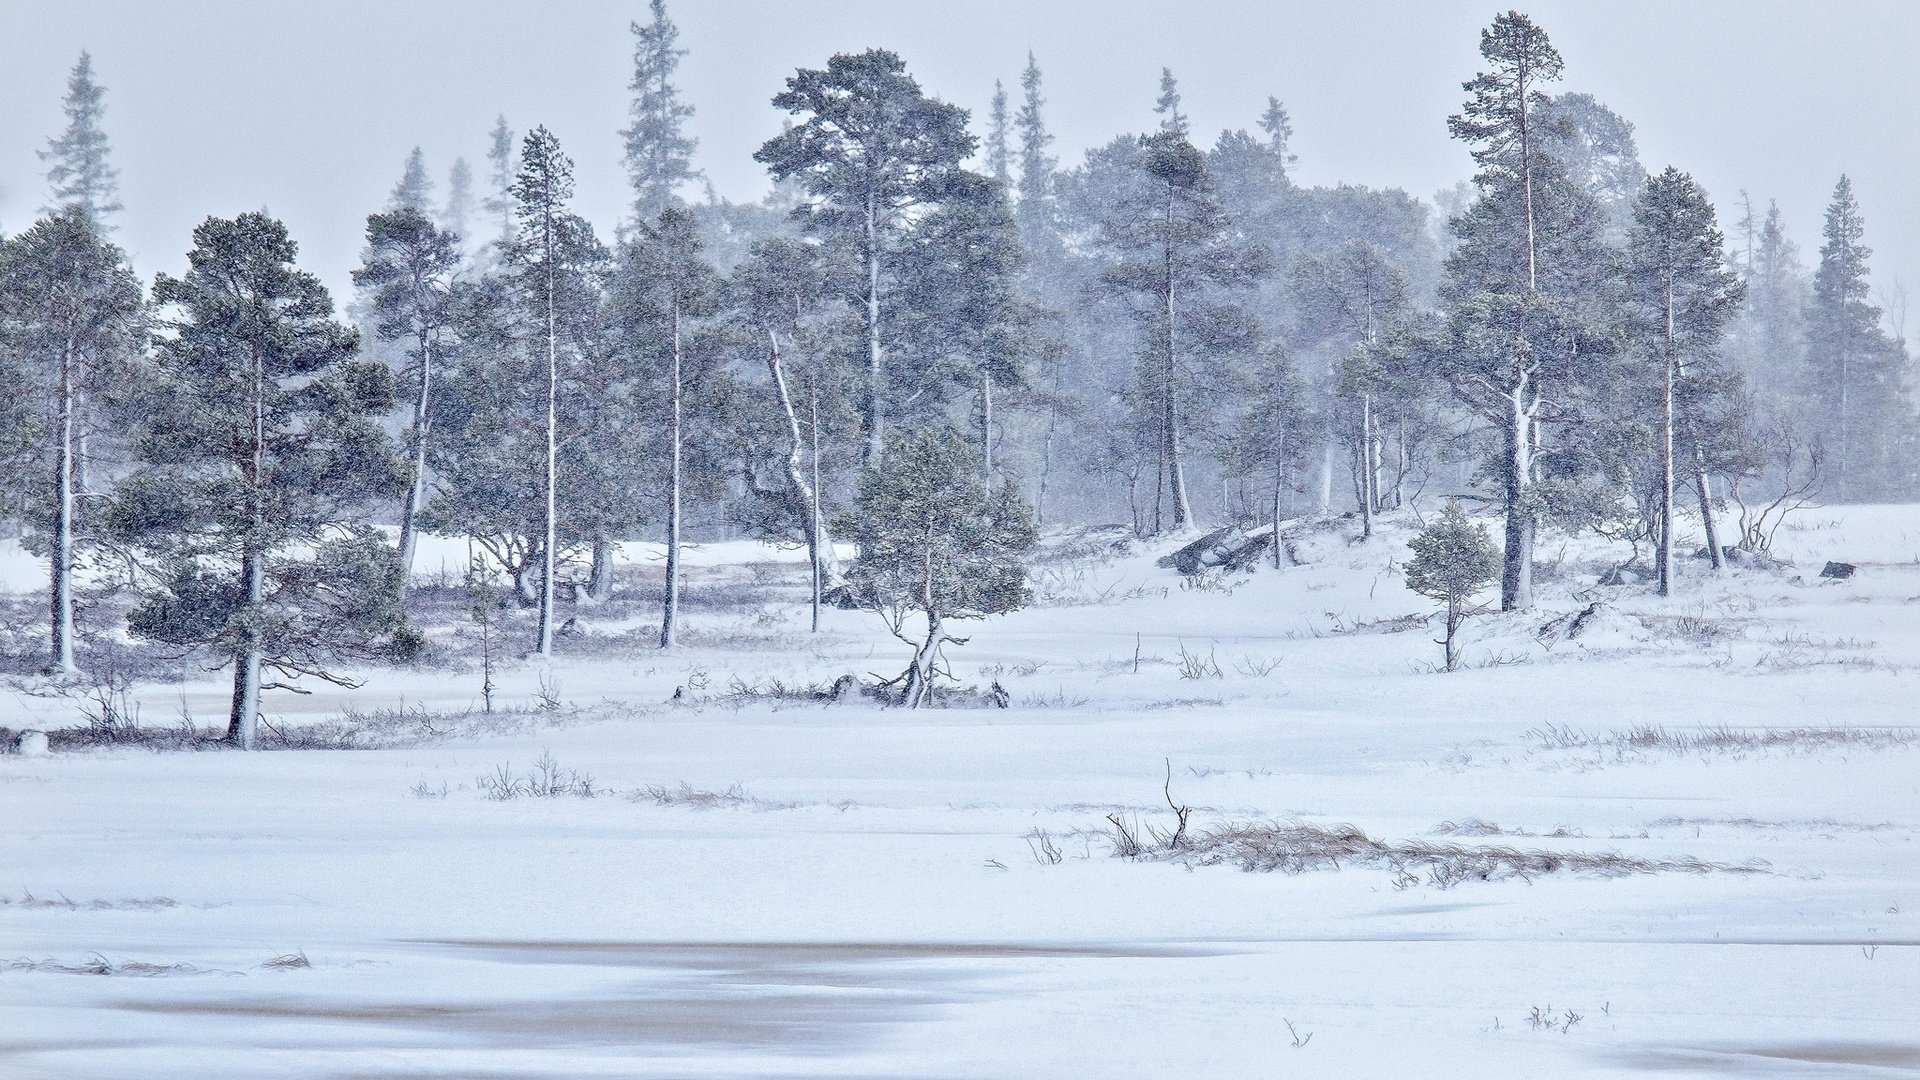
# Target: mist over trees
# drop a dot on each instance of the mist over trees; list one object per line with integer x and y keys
{"x": 930, "y": 318}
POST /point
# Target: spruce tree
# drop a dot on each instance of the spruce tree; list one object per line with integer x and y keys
{"x": 458, "y": 209}
{"x": 872, "y": 151}
{"x": 1856, "y": 387}
{"x": 1037, "y": 167}
{"x": 658, "y": 151}
{"x": 78, "y": 171}
{"x": 260, "y": 451}
{"x": 501, "y": 170}
{"x": 999, "y": 161}
{"x": 415, "y": 189}
{"x": 73, "y": 320}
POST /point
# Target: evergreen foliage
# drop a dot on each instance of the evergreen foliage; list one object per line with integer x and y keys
{"x": 936, "y": 539}
{"x": 1452, "y": 559}
{"x": 259, "y": 455}
{"x": 79, "y": 173}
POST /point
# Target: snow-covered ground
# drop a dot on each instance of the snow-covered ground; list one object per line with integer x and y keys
{"x": 868, "y": 902}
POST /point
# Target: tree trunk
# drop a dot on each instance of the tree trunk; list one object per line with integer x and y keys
{"x": 819, "y": 544}
{"x": 60, "y": 558}
{"x": 1715, "y": 557}
{"x": 243, "y": 719}
{"x": 244, "y": 715}
{"x": 1279, "y": 483}
{"x": 1326, "y": 476}
{"x": 805, "y": 494}
{"x": 1176, "y": 472}
{"x": 1516, "y": 574}
{"x": 1663, "y": 555}
{"x": 670, "y": 611}
{"x": 920, "y": 675}
{"x": 986, "y": 423}
{"x": 876, "y": 373}
{"x": 1365, "y": 447}
{"x": 417, "y": 484}
{"x": 1453, "y": 632}
{"x": 600, "y": 575}
{"x": 543, "y": 638}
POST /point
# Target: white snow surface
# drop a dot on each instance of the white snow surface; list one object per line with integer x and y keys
{"x": 874, "y": 911}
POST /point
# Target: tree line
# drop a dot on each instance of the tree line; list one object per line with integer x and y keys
{"x": 1161, "y": 332}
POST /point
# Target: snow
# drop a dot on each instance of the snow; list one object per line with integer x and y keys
{"x": 876, "y": 912}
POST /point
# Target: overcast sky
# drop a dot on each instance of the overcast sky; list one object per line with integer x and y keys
{"x": 309, "y": 108}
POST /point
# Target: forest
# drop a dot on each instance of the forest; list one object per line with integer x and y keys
{"x": 974, "y": 610}
{"x": 931, "y": 340}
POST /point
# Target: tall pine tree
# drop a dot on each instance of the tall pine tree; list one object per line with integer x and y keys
{"x": 260, "y": 452}
{"x": 73, "y": 319}
{"x": 872, "y": 151}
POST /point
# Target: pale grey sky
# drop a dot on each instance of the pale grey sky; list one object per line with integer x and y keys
{"x": 309, "y": 108}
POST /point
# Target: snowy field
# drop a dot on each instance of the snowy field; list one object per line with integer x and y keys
{"x": 840, "y": 890}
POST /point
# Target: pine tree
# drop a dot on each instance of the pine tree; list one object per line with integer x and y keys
{"x": 937, "y": 539}
{"x": 78, "y": 173}
{"x": 546, "y": 256}
{"x": 1452, "y": 559}
{"x": 675, "y": 287}
{"x": 410, "y": 267}
{"x": 1684, "y": 296}
{"x": 999, "y": 162}
{"x": 415, "y": 189}
{"x": 1530, "y": 256}
{"x": 872, "y": 149}
{"x": 1278, "y": 127}
{"x": 458, "y": 211}
{"x": 73, "y": 318}
{"x": 1173, "y": 252}
{"x": 260, "y": 451}
{"x": 1172, "y": 120}
{"x": 658, "y": 152}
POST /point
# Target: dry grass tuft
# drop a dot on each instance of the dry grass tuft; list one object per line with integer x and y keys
{"x": 1296, "y": 847}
